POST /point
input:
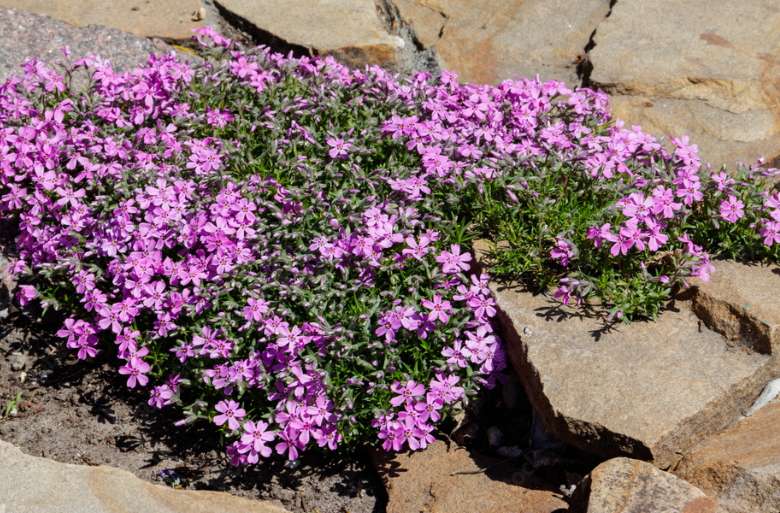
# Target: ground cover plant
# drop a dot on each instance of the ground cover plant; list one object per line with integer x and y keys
{"x": 281, "y": 246}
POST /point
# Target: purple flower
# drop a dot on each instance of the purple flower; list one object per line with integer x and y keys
{"x": 135, "y": 368}
{"x": 338, "y": 147}
{"x": 254, "y": 439}
{"x": 562, "y": 252}
{"x": 389, "y": 324}
{"x": 407, "y": 392}
{"x": 438, "y": 309}
{"x": 732, "y": 210}
{"x": 230, "y": 413}
{"x": 771, "y": 232}
{"x": 453, "y": 262}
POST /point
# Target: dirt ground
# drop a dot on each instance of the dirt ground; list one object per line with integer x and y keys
{"x": 82, "y": 412}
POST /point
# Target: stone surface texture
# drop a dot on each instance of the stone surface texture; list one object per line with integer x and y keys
{"x": 349, "y": 30}
{"x": 741, "y": 301}
{"x": 424, "y": 481}
{"x": 624, "y": 485}
{"x": 168, "y": 19}
{"x": 39, "y": 485}
{"x": 25, "y": 35}
{"x": 740, "y": 468}
{"x": 492, "y": 40}
{"x": 705, "y": 69}
{"x": 426, "y": 21}
{"x": 642, "y": 390}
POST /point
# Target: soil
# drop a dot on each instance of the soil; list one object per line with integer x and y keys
{"x": 81, "y": 412}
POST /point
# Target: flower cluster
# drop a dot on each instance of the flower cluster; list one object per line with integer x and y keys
{"x": 289, "y": 240}
{"x": 264, "y": 261}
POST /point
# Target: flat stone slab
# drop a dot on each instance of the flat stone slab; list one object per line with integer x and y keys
{"x": 705, "y": 69}
{"x": 642, "y": 390}
{"x": 39, "y": 485}
{"x": 623, "y": 485}
{"x": 167, "y": 19}
{"x": 487, "y": 41}
{"x": 349, "y": 30}
{"x": 742, "y": 302}
{"x": 740, "y": 468}
{"x": 424, "y": 481}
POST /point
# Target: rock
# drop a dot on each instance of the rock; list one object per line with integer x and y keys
{"x": 740, "y": 468}
{"x": 642, "y": 390}
{"x": 490, "y": 41}
{"x": 741, "y": 302}
{"x": 623, "y": 485}
{"x": 167, "y": 19}
{"x": 771, "y": 391}
{"x": 426, "y": 21}
{"x": 349, "y": 30}
{"x": 24, "y": 35}
{"x": 704, "y": 69}
{"x": 37, "y": 485}
{"x": 18, "y": 361}
{"x": 542, "y": 439}
{"x": 424, "y": 481}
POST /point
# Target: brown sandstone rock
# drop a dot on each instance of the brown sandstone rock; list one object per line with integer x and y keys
{"x": 705, "y": 69}
{"x": 349, "y": 30}
{"x": 493, "y": 40}
{"x": 427, "y": 22}
{"x": 424, "y": 481}
{"x": 39, "y": 485}
{"x": 741, "y": 301}
{"x": 643, "y": 390}
{"x": 167, "y": 19}
{"x": 740, "y": 468}
{"x": 623, "y": 485}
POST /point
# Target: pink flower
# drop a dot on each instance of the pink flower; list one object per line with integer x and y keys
{"x": 454, "y": 262}
{"x": 438, "y": 309}
{"x": 483, "y": 306}
{"x": 135, "y": 368}
{"x": 562, "y": 252}
{"x": 564, "y": 294}
{"x": 338, "y": 148}
{"x": 26, "y": 294}
{"x": 599, "y": 233}
{"x": 407, "y": 393}
{"x": 732, "y": 210}
{"x": 771, "y": 232}
{"x": 328, "y": 436}
{"x": 254, "y": 439}
{"x": 230, "y": 413}
{"x": 389, "y": 324}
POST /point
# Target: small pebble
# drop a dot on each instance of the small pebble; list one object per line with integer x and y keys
{"x": 18, "y": 361}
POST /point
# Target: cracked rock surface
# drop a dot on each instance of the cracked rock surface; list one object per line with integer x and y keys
{"x": 645, "y": 390}
{"x": 167, "y": 19}
{"x": 490, "y": 41}
{"x": 349, "y": 30}
{"x": 740, "y": 468}
{"x": 705, "y": 69}
{"x": 623, "y": 485}
{"x": 454, "y": 480}
{"x": 37, "y": 485}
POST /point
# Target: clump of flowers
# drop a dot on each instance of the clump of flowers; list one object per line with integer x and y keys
{"x": 288, "y": 240}
{"x": 235, "y": 227}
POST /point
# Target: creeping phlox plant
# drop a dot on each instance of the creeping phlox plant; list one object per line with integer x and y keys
{"x": 236, "y": 227}
{"x": 288, "y": 240}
